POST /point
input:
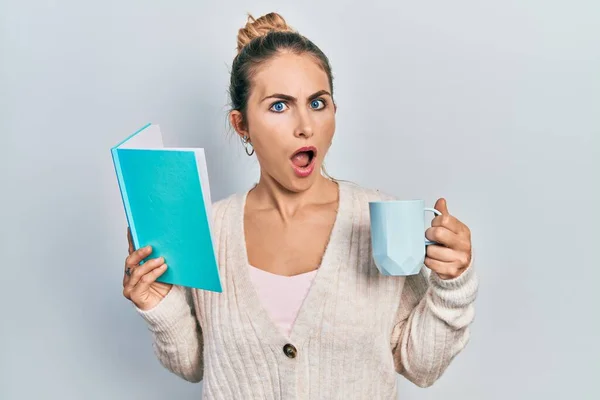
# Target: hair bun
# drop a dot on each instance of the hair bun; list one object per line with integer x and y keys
{"x": 260, "y": 27}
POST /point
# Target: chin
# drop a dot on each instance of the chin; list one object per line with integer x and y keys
{"x": 296, "y": 184}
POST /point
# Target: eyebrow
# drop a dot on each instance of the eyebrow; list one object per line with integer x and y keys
{"x": 292, "y": 98}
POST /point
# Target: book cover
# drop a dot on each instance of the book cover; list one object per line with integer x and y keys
{"x": 166, "y": 196}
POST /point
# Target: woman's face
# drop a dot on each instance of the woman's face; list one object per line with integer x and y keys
{"x": 290, "y": 119}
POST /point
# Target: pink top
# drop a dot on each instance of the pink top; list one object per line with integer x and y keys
{"x": 282, "y": 296}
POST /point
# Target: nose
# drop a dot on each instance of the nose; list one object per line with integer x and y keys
{"x": 304, "y": 124}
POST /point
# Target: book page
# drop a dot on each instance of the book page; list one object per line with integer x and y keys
{"x": 203, "y": 173}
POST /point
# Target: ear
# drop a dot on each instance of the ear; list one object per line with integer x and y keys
{"x": 237, "y": 121}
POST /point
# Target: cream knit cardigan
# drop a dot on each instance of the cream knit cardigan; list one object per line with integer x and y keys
{"x": 355, "y": 331}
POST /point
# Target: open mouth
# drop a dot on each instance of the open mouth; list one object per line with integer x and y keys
{"x": 304, "y": 157}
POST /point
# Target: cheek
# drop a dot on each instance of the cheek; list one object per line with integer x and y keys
{"x": 268, "y": 131}
{"x": 326, "y": 126}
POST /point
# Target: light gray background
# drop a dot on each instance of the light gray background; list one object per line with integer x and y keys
{"x": 494, "y": 105}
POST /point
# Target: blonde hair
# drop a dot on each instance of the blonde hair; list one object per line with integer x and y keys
{"x": 258, "y": 28}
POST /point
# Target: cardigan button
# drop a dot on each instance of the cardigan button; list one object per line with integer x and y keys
{"x": 290, "y": 351}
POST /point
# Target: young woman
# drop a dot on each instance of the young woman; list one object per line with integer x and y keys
{"x": 304, "y": 313}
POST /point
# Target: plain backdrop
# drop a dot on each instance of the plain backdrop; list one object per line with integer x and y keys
{"x": 494, "y": 105}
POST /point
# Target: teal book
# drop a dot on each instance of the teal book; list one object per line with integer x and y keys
{"x": 166, "y": 196}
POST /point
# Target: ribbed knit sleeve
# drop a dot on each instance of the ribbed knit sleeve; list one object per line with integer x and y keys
{"x": 177, "y": 337}
{"x": 177, "y": 334}
{"x": 433, "y": 324}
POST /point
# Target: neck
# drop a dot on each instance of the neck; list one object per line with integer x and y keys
{"x": 270, "y": 194}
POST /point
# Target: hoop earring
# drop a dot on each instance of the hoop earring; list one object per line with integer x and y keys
{"x": 247, "y": 144}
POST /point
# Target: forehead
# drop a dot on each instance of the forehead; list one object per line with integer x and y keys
{"x": 292, "y": 74}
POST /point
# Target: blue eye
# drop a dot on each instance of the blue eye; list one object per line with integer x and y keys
{"x": 317, "y": 104}
{"x": 278, "y": 107}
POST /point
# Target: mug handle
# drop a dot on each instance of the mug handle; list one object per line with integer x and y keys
{"x": 436, "y": 212}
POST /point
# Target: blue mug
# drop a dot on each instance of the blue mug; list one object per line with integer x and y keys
{"x": 398, "y": 236}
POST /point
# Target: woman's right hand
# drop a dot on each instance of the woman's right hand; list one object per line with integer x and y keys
{"x": 139, "y": 281}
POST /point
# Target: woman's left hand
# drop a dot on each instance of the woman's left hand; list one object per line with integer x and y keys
{"x": 452, "y": 256}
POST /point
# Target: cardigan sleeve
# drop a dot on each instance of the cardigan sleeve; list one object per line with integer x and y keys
{"x": 433, "y": 320}
{"x": 175, "y": 324}
{"x": 432, "y": 324}
{"x": 177, "y": 336}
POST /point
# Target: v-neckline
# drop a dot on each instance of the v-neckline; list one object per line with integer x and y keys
{"x": 322, "y": 282}
{"x": 283, "y": 277}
